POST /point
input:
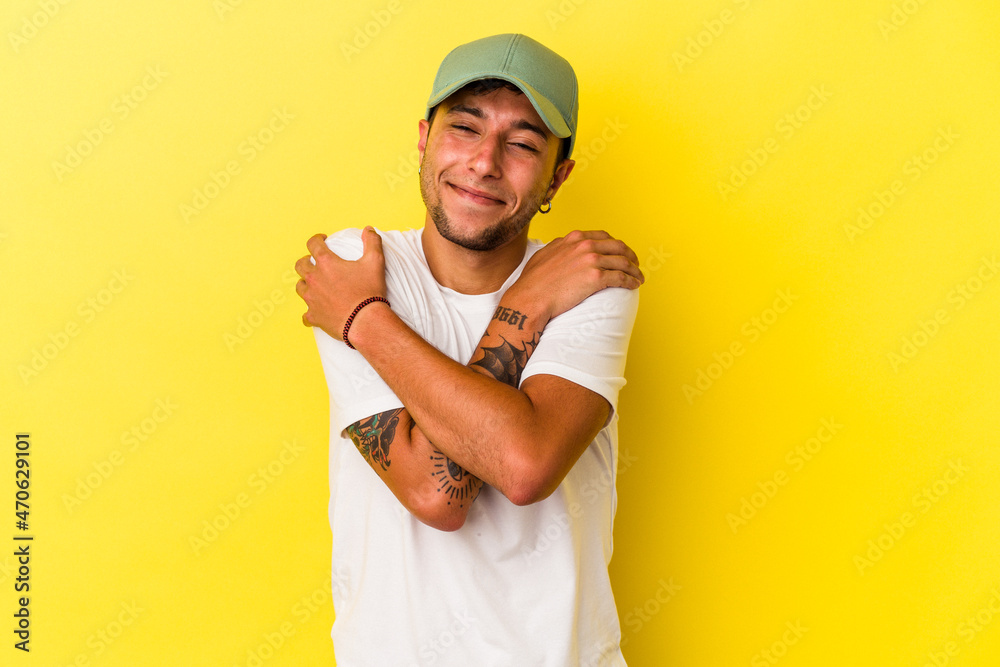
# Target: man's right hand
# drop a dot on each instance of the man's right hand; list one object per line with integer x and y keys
{"x": 571, "y": 268}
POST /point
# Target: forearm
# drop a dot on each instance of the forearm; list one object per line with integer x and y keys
{"x": 426, "y": 483}
{"x": 474, "y": 414}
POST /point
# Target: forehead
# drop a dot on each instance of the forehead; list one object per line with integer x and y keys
{"x": 502, "y": 104}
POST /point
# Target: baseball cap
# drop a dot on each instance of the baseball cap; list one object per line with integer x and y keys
{"x": 545, "y": 77}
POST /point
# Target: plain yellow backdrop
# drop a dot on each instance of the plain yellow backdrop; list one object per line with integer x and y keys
{"x": 810, "y": 466}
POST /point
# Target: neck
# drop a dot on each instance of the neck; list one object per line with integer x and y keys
{"x": 471, "y": 271}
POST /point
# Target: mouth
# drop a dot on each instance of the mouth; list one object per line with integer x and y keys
{"x": 476, "y": 196}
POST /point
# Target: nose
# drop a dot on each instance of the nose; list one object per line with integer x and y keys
{"x": 486, "y": 157}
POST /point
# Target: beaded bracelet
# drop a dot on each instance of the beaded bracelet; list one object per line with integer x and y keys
{"x": 366, "y": 302}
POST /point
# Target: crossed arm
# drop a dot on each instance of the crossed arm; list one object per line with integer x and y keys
{"x": 465, "y": 425}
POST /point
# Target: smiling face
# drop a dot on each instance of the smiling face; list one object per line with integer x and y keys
{"x": 488, "y": 163}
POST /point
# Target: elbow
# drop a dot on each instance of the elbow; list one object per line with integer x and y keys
{"x": 525, "y": 494}
{"x": 440, "y": 515}
{"x": 531, "y": 481}
{"x": 447, "y": 523}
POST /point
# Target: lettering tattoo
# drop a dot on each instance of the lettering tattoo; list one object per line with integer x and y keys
{"x": 373, "y": 435}
{"x": 505, "y": 362}
{"x": 512, "y": 317}
{"x": 454, "y": 481}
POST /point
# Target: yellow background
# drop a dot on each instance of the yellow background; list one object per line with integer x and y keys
{"x": 677, "y": 100}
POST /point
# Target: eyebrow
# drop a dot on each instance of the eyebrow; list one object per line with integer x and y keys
{"x": 519, "y": 125}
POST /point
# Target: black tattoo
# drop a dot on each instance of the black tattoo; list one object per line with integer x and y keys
{"x": 512, "y": 317}
{"x": 452, "y": 480}
{"x": 373, "y": 435}
{"x": 506, "y": 362}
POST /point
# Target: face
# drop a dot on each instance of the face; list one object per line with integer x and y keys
{"x": 488, "y": 163}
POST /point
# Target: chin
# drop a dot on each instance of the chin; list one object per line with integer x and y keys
{"x": 479, "y": 239}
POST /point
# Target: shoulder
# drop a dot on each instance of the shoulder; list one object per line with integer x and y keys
{"x": 617, "y": 302}
{"x": 347, "y": 244}
{"x": 615, "y": 307}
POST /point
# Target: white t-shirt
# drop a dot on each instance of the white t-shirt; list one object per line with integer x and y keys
{"x": 515, "y": 586}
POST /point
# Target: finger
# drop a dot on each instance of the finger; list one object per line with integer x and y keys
{"x": 317, "y": 246}
{"x": 304, "y": 265}
{"x": 612, "y": 246}
{"x": 300, "y": 288}
{"x": 597, "y": 234}
{"x": 372, "y": 242}
{"x": 621, "y": 264}
{"x": 305, "y": 319}
{"x": 624, "y": 279}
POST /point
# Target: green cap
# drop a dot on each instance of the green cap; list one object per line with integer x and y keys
{"x": 542, "y": 74}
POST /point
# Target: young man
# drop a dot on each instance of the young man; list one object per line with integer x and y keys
{"x": 477, "y": 373}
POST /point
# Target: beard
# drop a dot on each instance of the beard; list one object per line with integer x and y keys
{"x": 492, "y": 237}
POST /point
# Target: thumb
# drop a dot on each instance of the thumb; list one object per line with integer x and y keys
{"x": 371, "y": 243}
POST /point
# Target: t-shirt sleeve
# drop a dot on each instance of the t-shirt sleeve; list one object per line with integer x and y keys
{"x": 587, "y": 345}
{"x": 356, "y": 390}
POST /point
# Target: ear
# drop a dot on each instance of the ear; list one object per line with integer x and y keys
{"x": 424, "y": 128}
{"x": 559, "y": 177}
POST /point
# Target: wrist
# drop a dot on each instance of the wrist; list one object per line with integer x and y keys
{"x": 532, "y": 306}
{"x": 354, "y": 328}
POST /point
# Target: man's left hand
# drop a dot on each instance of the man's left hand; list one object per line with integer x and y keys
{"x": 332, "y": 287}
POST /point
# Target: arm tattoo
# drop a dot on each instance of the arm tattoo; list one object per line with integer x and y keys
{"x": 505, "y": 362}
{"x": 512, "y": 317}
{"x": 453, "y": 481}
{"x": 373, "y": 435}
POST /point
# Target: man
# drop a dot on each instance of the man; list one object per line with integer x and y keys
{"x": 477, "y": 373}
